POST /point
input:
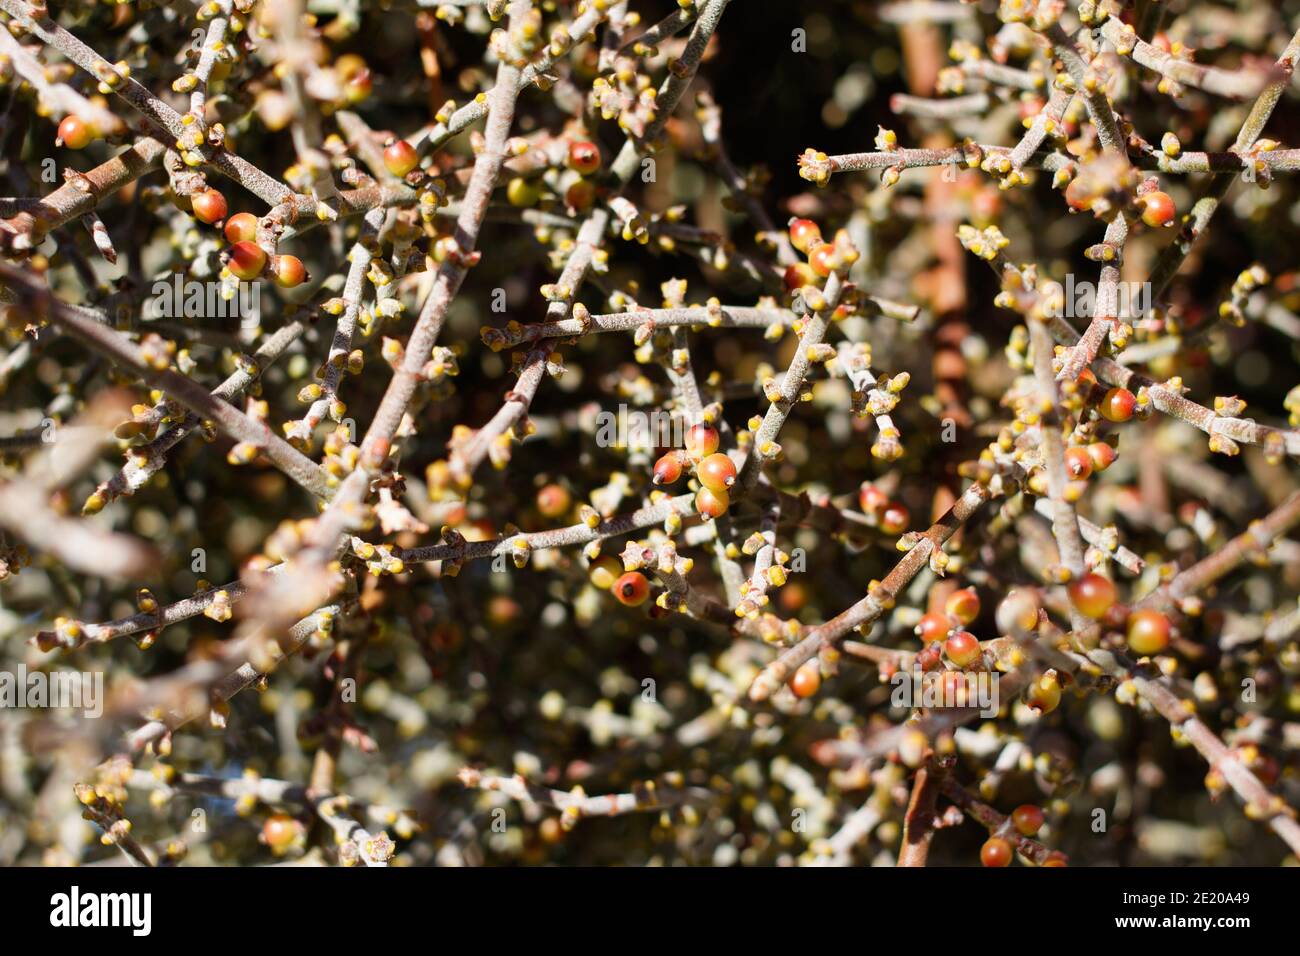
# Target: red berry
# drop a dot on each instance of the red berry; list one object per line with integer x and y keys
{"x": 717, "y": 473}
{"x": 553, "y": 501}
{"x": 964, "y": 605}
{"x": 702, "y": 441}
{"x": 807, "y": 679}
{"x": 241, "y": 227}
{"x": 1077, "y": 196}
{"x": 632, "y": 588}
{"x": 288, "y": 271}
{"x": 1078, "y": 464}
{"x": 824, "y": 260}
{"x": 995, "y": 852}
{"x": 871, "y": 499}
{"x": 893, "y": 520}
{"x": 927, "y": 658}
{"x": 1093, "y": 595}
{"x": 1027, "y": 818}
{"x": 1118, "y": 405}
{"x": 798, "y": 275}
{"x": 580, "y": 194}
{"x": 400, "y": 157}
{"x": 209, "y": 206}
{"x": 1148, "y": 632}
{"x": 584, "y": 156}
{"x": 667, "y": 469}
{"x": 74, "y": 133}
{"x": 1157, "y": 209}
{"x": 1102, "y": 455}
{"x": 247, "y": 260}
{"x": 712, "y": 504}
{"x": 933, "y": 627}
{"x": 1055, "y": 858}
{"x": 963, "y": 649}
{"x": 804, "y": 234}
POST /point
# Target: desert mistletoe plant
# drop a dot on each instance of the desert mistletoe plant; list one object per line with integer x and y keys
{"x": 443, "y": 426}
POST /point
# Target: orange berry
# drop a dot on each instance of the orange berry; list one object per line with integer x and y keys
{"x": 288, "y": 271}
{"x": 1077, "y": 196}
{"x": 1093, "y": 595}
{"x": 963, "y": 648}
{"x": 1157, "y": 209}
{"x": 280, "y": 832}
{"x": 632, "y": 588}
{"x": 74, "y": 133}
{"x": 1148, "y": 632}
{"x": 1027, "y": 818}
{"x": 933, "y": 627}
{"x": 1078, "y": 464}
{"x": 807, "y": 679}
{"x": 241, "y": 227}
{"x": 995, "y": 852}
{"x": 550, "y": 830}
{"x": 246, "y": 260}
{"x": 893, "y": 520}
{"x": 702, "y": 441}
{"x": 712, "y": 504}
{"x": 1017, "y": 613}
{"x": 209, "y": 206}
{"x": 1044, "y": 694}
{"x": 798, "y": 275}
{"x": 804, "y": 234}
{"x": 824, "y": 260}
{"x": 667, "y": 469}
{"x": 502, "y": 610}
{"x": 871, "y": 499}
{"x": 357, "y": 88}
{"x": 553, "y": 501}
{"x": 1102, "y": 455}
{"x": 964, "y": 605}
{"x": 1118, "y": 405}
{"x": 400, "y": 157}
{"x": 717, "y": 473}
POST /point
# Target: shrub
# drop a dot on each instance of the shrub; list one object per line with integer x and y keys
{"x": 326, "y": 390}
